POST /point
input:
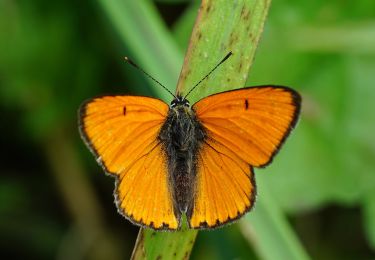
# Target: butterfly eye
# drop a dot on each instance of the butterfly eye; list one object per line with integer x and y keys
{"x": 181, "y": 101}
{"x": 173, "y": 103}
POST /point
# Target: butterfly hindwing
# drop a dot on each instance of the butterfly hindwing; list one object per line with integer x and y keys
{"x": 225, "y": 188}
{"x": 122, "y": 132}
{"x": 245, "y": 128}
{"x": 144, "y": 195}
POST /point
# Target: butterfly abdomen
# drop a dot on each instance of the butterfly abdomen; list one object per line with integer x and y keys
{"x": 181, "y": 136}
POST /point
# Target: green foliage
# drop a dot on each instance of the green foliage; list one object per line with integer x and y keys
{"x": 53, "y": 55}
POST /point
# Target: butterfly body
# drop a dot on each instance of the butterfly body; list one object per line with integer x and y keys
{"x": 181, "y": 137}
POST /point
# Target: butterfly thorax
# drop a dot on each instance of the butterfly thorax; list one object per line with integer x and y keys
{"x": 181, "y": 136}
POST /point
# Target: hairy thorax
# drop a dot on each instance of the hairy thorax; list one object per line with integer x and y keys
{"x": 181, "y": 136}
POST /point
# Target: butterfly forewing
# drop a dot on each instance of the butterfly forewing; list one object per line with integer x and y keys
{"x": 122, "y": 132}
{"x": 251, "y": 122}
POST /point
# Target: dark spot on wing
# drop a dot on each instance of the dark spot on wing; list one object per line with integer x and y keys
{"x": 124, "y": 111}
{"x": 246, "y": 104}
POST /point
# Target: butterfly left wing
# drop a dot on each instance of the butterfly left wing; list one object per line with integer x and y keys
{"x": 122, "y": 132}
{"x": 245, "y": 128}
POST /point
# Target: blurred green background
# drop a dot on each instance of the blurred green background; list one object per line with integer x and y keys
{"x": 55, "y": 202}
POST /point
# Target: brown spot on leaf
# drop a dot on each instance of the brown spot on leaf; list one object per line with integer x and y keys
{"x": 199, "y": 35}
{"x": 208, "y": 8}
{"x": 240, "y": 67}
{"x": 247, "y": 15}
{"x": 231, "y": 41}
{"x": 243, "y": 10}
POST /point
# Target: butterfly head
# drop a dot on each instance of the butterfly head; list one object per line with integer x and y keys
{"x": 180, "y": 101}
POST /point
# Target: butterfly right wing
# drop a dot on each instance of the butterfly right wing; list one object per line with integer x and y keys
{"x": 245, "y": 129}
{"x": 122, "y": 132}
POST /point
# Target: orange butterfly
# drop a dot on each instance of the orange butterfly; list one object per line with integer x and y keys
{"x": 180, "y": 159}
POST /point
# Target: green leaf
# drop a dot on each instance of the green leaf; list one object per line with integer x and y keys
{"x": 221, "y": 27}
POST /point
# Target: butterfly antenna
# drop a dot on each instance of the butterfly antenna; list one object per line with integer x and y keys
{"x": 209, "y": 73}
{"x": 148, "y": 75}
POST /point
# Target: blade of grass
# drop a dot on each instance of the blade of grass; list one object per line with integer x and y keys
{"x": 144, "y": 33}
{"x": 80, "y": 198}
{"x": 354, "y": 38}
{"x": 268, "y": 230}
{"x": 221, "y": 26}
